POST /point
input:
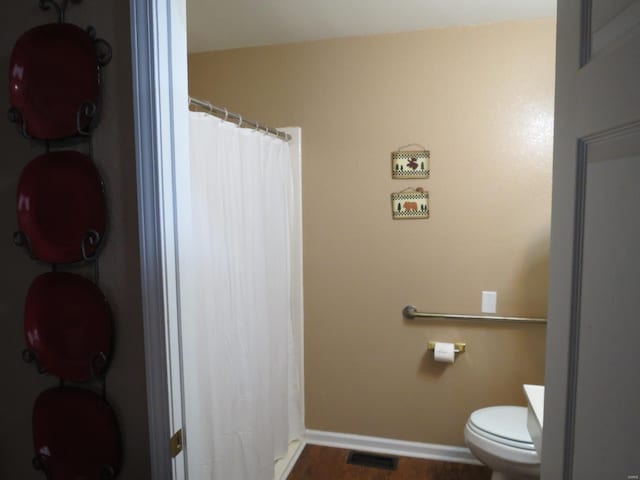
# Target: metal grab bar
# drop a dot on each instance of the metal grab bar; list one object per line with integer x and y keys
{"x": 410, "y": 312}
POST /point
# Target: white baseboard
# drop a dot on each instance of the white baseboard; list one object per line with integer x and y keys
{"x": 430, "y": 451}
{"x": 285, "y": 465}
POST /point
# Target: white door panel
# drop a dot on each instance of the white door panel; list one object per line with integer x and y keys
{"x": 608, "y": 382}
{"x": 612, "y": 22}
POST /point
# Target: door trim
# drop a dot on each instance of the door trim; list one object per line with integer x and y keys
{"x": 159, "y": 71}
{"x": 574, "y": 318}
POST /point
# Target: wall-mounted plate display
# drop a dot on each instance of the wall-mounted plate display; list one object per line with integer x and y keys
{"x": 61, "y": 207}
{"x": 75, "y": 435}
{"x": 54, "y": 81}
{"x": 410, "y": 204}
{"x": 410, "y": 164}
{"x": 67, "y": 326}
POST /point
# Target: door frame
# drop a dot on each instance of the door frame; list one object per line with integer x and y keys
{"x": 160, "y": 88}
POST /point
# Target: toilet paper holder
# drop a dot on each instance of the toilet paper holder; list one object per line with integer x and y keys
{"x": 458, "y": 347}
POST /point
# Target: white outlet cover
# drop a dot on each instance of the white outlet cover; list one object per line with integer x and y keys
{"x": 489, "y": 301}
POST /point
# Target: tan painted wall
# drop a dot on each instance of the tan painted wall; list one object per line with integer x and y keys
{"x": 481, "y": 99}
{"x": 120, "y": 278}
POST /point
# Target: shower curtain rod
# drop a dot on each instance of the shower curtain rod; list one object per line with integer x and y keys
{"x": 239, "y": 119}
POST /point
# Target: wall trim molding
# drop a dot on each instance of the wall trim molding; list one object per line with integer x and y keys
{"x": 290, "y": 460}
{"x": 159, "y": 76}
{"x": 389, "y": 446}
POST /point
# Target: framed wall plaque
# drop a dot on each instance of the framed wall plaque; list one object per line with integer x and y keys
{"x": 410, "y": 204}
{"x": 410, "y": 164}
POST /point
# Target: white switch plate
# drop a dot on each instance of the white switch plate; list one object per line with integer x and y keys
{"x": 489, "y": 300}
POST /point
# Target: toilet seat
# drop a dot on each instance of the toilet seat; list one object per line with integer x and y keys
{"x": 505, "y": 425}
{"x": 498, "y": 437}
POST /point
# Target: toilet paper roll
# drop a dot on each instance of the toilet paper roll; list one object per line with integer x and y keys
{"x": 444, "y": 352}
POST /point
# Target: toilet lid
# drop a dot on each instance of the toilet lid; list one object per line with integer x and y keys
{"x": 506, "y": 424}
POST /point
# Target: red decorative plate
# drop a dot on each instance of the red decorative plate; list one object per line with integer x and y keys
{"x": 61, "y": 208}
{"x": 67, "y": 326}
{"x": 54, "y": 80}
{"x": 75, "y": 435}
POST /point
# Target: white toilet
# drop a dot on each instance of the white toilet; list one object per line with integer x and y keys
{"x": 499, "y": 438}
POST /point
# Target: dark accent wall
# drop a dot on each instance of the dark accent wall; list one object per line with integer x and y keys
{"x": 114, "y": 154}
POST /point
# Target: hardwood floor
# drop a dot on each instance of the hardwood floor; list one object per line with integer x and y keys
{"x": 325, "y": 463}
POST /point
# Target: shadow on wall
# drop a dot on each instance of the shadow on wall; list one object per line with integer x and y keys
{"x": 483, "y": 338}
{"x": 525, "y": 294}
{"x": 429, "y": 367}
{"x": 534, "y": 272}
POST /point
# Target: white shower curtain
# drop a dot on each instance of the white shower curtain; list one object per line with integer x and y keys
{"x": 241, "y": 371}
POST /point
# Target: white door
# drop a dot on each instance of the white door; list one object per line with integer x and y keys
{"x": 592, "y": 403}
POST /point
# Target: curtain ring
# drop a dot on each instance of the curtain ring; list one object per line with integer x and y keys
{"x": 226, "y": 114}
{"x": 257, "y": 129}
{"x": 210, "y": 106}
{"x": 240, "y": 120}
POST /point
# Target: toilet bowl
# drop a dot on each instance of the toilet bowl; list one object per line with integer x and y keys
{"x": 498, "y": 437}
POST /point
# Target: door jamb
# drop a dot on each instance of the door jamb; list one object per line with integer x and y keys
{"x": 160, "y": 79}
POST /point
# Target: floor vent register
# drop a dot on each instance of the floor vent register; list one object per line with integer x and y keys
{"x": 373, "y": 460}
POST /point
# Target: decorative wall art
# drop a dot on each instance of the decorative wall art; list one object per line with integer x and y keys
{"x": 54, "y": 93}
{"x": 54, "y": 78}
{"x": 410, "y": 164}
{"x": 410, "y": 203}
